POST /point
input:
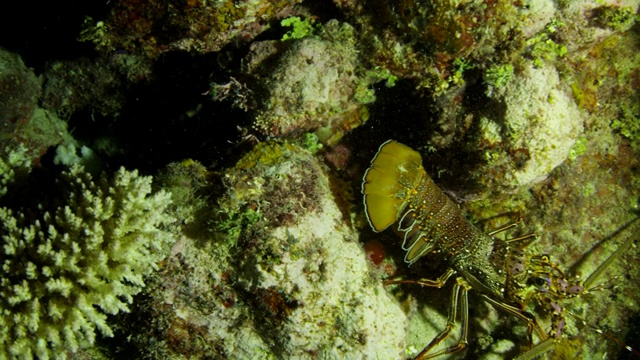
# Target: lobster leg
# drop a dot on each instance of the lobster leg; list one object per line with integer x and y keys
{"x": 437, "y": 283}
{"x": 458, "y": 297}
{"x": 532, "y": 323}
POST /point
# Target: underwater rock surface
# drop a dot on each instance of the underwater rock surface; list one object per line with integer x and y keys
{"x": 154, "y": 27}
{"x": 283, "y": 275}
{"x": 318, "y": 86}
{"x": 541, "y": 123}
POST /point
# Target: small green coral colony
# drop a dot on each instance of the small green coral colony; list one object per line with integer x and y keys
{"x": 14, "y": 161}
{"x": 65, "y": 267}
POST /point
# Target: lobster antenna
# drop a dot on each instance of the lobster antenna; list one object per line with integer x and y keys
{"x": 608, "y": 336}
{"x": 598, "y": 272}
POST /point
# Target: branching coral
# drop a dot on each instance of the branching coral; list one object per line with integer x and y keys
{"x": 64, "y": 269}
{"x": 12, "y": 161}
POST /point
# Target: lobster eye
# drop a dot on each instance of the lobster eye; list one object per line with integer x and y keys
{"x": 538, "y": 281}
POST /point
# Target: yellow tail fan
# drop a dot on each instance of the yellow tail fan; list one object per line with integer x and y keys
{"x": 395, "y": 172}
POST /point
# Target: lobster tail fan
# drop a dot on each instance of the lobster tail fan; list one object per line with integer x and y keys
{"x": 395, "y": 171}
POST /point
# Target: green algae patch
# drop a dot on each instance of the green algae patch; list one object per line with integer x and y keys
{"x": 265, "y": 153}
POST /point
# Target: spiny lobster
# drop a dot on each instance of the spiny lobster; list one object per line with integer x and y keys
{"x": 397, "y": 191}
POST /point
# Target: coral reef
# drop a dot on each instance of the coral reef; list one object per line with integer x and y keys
{"x": 19, "y": 93}
{"x": 23, "y": 121}
{"x": 581, "y": 209}
{"x": 282, "y": 276}
{"x": 187, "y": 183}
{"x": 317, "y": 86}
{"x": 65, "y": 267}
{"x": 421, "y": 40}
{"x": 540, "y": 124}
{"x": 155, "y": 27}
{"x": 518, "y": 108}
{"x": 43, "y": 131}
{"x": 95, "y": 84}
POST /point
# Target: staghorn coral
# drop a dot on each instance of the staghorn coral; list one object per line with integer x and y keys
{"x": 65, "y": 267}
